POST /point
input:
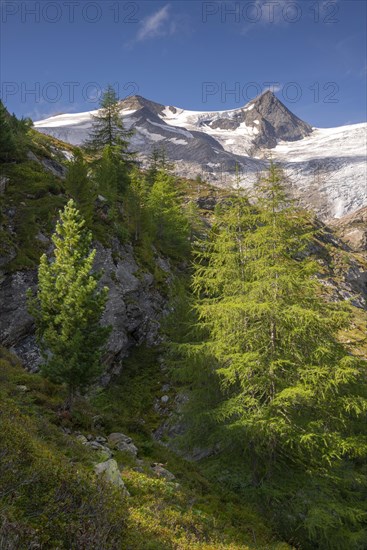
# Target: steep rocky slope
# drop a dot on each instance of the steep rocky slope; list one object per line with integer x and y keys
{"x": 352, "y": 229}
{"x": 136, "y": 301}
{"x": 30, "y": 198}
{"x": 134, "y": 306}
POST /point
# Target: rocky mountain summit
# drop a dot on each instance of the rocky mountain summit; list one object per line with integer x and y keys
{"x": 266, "y": 114}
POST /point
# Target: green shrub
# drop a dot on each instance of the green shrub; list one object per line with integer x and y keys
{"x": 52, "y": 502}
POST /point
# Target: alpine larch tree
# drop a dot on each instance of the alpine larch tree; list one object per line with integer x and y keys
{"x": 169, "y": 223}
{"x": 284, "y": 392}
{"x": 108, "y": 142}
{"x": 108, "y": 128}
{"x": 14, "y": 136}
{"x": 80, "y": 187}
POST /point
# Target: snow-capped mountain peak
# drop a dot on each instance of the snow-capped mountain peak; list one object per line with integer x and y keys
{"x": 326, "y": 168}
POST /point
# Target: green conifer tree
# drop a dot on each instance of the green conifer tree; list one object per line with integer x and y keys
{"x": 108, "y": 129}
{"x": 292, "y": 398}
{"x": 14, "y": 139}
{"x": 8, "y": 148}
{"x": 80, "y": 187}
{"x": 136, "y": 203}
{"x": 105, "y": 175}
{"x": 68, "y": 307}
{"x": 170, "y": 225}
{"x": 194, "y": 220}
{"x": 158, "y": 161}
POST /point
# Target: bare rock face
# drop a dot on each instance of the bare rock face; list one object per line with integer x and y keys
{"x": 3, "y": 184}
{"x": 134, "y": 305}
{"x": 16, "y": 324}
{"x": 352, "y": 229}
{"x": 276, "y": 121}
{"x": 133, "y": 309}
{"x": 273, "y": 121}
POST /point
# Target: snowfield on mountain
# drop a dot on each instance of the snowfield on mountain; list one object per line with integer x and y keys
{"x": 326, "y": 167}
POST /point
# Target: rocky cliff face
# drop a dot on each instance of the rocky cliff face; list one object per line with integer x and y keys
{"x": 271, "y": 119}
{"x": 134, "y": 307}
{"x": 352, "y": 229}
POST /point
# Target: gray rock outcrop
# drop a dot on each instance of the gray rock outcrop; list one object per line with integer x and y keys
{"x": 110, "y": 472}
{"x": 162, "y": 472}
{"x": 134, "y": 308}
{"x": 122, "y": 442}
{"x": 271, "y": 118}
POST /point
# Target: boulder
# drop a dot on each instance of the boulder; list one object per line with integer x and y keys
{"x": 22, "y": 388}
{"x": 163, "y": 472}
{"x": 54, "y": 167}
{"x": 122, "y": 442}
{"x": 110, "y": 472}
{"x": 106, "y": 451}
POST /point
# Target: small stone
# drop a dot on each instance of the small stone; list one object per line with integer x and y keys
{"x": 3, "y": 184}
{"x": 127, "y": 448}
{"x": 22, "y": 388}
{"x": 90, "y": 437}
{"x": 117, "y": 437}
{"x": 32, "y": 156}
{"x": 95, "y": 445}
{"x": 165, "y": 399}
{"x": 99, "y": 447}
{"x": 42, "y": 238}
{"x": 101, "y": 439}
{"x": 163, "y": 472}
{"x": 82, "y": 439}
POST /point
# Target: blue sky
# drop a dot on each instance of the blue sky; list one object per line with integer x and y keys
{"x": 56, "y": 56}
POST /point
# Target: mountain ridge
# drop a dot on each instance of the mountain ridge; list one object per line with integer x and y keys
{"x": 320, "y": 164}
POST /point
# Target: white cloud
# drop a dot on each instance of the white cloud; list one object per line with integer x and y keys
{"x": 273, "y": 14}
{"x": 273, "y": 87}
{"x": 156, "y": 25}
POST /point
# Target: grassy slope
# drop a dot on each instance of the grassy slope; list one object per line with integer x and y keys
{"x": 45, "y": 474}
